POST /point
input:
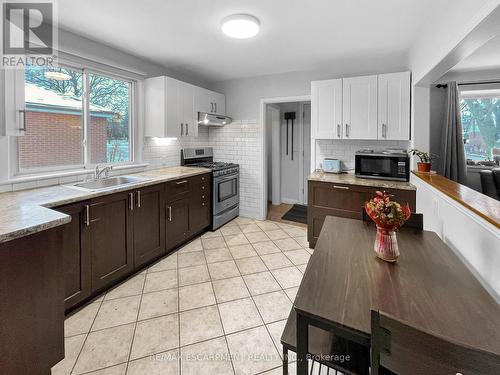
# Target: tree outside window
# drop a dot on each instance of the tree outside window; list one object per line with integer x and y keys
{"x": 55, "y": 109}
{"x": 481, "y": 127}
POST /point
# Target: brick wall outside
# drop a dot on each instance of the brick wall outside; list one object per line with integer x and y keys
{"x": 55, "y": 139}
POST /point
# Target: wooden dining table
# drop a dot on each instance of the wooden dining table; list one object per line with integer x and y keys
{"x": 428, "y": 287}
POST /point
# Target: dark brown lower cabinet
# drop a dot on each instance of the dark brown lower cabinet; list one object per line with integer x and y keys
{"x": 32, "y": 303}
{"x": 75, "y": 245}
{"x": 112, "y": 236}
{"x": 178, "y": 226}
{"x": 188, "y": 213}
{"x": 111, "y": 239}
{"x": 200, "y": 211}
{"x": 149, "y": 224}
{"x": 343, "y": 200}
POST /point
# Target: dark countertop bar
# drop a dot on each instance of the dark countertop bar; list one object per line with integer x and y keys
{"x": 482, "y": 205}
{"x": 351, "y": 179}
{"x": 28, "y": 211}
{"x": 428, "y": 287}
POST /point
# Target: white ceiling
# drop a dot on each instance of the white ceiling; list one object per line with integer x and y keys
{"x": 295, "y": 35}
{"x": 486, "y": 57}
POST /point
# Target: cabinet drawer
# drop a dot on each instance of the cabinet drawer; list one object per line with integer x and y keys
{"x": 337, "y": 196}
{"x": 201, "y": 179}
{"x": 178, "y": 189}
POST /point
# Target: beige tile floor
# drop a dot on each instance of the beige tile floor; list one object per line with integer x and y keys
{"x": 216, "y": 306}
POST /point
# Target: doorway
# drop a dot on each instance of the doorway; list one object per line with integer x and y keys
{"x": 287, "y": 156}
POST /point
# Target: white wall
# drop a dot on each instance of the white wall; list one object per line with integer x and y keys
{"x": 344, "y": 149}
{"x": 240, "y": 142}
{"x": 443, "y": 31}
{"x": 243, "y": 95}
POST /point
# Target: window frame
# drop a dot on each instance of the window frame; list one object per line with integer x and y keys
{"x": 478, "y": 91}
{"x": 86, "y": 166}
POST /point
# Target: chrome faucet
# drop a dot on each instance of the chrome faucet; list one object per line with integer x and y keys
{"x": 99, "y": 172}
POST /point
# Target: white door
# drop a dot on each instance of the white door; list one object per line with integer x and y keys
{"x": 394, "y": 106}
{"x": 174, "y": 108}
{"x": 326, "y": 101}
{"x": 290, "y": 160}
{"x": 360, "y": 107}
{"x": 306, "y": 142}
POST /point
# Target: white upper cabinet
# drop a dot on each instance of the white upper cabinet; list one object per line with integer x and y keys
{"x": 369, "y": 107}
{"x": 12, "y": 103}
{"x": 210, "y": 101}
{"x": 394, "y": 106}
{"x": 360, "y": 107}
{"x": 326, "y": 109}
{"x": 169, "y": 108}
{"x": 219, "y": 103}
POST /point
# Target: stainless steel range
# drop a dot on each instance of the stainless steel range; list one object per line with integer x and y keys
{"x": 225, "y": 183}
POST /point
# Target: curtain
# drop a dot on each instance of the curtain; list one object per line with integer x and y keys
{"x": 452, "y": 156}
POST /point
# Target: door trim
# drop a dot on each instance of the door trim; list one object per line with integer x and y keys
{"x": 264, "y": 140}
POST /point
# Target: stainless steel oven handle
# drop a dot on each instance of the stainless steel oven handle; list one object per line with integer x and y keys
{"x": 225, "y": 178}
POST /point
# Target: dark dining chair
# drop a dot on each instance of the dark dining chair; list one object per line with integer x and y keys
{"x": 415, "y": 221}
{"x": 397, "y": 348}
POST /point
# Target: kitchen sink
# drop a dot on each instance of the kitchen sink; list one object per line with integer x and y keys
{"x": 108, "y": 183}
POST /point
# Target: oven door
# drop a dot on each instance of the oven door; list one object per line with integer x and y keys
{"x": 226, "y": 192}
{"x": 382, "y": 167}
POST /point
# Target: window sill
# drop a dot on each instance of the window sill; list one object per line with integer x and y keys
{"x": 477, "y": 168}
{"x": 64, "y": 176}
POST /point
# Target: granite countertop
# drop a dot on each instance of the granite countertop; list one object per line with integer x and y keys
{"x": 28, "y": 211}
{"x": 350, "y": 179}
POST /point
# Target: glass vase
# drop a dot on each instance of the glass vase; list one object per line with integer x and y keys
{"x": 386, "y": 245}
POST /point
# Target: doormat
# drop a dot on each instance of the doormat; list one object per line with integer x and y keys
{"x": 297, "y": 213}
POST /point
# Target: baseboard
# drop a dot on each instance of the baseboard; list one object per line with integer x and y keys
{"x": 289, "y": 201}
{"x": 250, "y": 214}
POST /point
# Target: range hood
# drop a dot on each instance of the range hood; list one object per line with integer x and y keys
{"x": 209, "y": 119}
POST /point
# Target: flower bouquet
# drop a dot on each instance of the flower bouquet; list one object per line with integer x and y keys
{"x": 389, "y": 216}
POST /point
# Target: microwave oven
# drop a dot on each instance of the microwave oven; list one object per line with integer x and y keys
{"x": 382, "y": 165}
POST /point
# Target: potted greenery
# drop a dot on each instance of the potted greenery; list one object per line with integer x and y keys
{"x": 425, "y": 160}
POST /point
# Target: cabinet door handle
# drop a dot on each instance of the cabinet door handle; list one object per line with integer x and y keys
{"x": 182, "y": 129}
{"x": 384, "y": 130}
{"x": 338, "y": 130}
{"x": 340, "y": 187}
{"x": 215, "y": 107}
{"x": 139, "y": 199}
{"x": 347, "y": 130}
{"x": 131, "y": 201}
{"x": 169, "y": 213}
{"x": 23, "y": 113}
{"x": 87, "y": 215}
{"x": 211, "y": 107}
{"x": 181, "y": 182}
{"x": 187, "y": 129}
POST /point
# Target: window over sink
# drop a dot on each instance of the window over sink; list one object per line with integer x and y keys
{"x": 74, "y": 118}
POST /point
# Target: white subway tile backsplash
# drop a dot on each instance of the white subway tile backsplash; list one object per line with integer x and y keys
{"x": 344, "y": 149}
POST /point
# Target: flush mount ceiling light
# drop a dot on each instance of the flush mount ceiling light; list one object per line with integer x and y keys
{"x": 240, "y": 26}
{"x": 57, "y": 76}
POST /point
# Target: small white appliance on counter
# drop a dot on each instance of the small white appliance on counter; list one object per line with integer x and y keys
{"x": 332, "y": 165}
